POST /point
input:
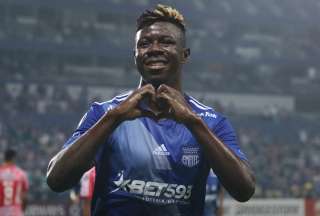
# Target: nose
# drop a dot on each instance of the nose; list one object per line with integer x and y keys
{"x": 155, "y": 48}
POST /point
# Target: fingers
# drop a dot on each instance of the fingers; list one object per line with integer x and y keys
{"x": 146, "y": 113}
{"x": 136, "y": 113}
{"x": 165, "y": 102}
{"x": 149, "y": 93}
{"x": 168, "y": 105}
{"x": 170, "y": 113}
{"x": 146, "y": 91}
{"x": 165, "y": 88}
{"x": 166, "y": 97}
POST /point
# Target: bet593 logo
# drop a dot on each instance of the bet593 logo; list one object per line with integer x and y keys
{"x": 154, "y": 189}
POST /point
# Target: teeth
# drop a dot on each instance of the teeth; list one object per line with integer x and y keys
{"x": 156, "y": 63}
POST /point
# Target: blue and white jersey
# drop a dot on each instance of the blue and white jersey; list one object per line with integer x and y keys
{"x": 148, "y": 167}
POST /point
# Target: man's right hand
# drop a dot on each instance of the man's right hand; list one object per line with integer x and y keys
{"x": 129, "y": 109}
{"x": 67, "y": 166}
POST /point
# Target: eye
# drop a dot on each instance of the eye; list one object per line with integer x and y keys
{"x": 143, "y": 43}
{"x": 168, "y": 41}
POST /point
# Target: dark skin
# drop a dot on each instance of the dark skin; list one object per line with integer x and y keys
{"x": 159, "y": 55}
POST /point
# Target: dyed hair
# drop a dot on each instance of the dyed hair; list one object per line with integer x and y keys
{"x": 161, "y": 13}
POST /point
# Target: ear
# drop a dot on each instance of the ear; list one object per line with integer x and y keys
{"x": 186, "y": 54}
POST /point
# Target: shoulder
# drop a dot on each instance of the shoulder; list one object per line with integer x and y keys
{"x": 97, "y": 109}
{"x": 201, "y": 109}
{"x": 110, "y": 104}
{"x": 20, "y": 173}
{"x": 207, "y": 113}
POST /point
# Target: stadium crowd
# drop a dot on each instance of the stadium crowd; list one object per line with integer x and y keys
{"x": 269, "y": 58}
{"x": 52, "y": 56}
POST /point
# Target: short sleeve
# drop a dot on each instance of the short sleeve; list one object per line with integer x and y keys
{"x": 86, "y": 122}
{"x": 225, "y": 132}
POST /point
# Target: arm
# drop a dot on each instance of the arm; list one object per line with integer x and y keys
{"x": 24, "y": 191}
{"x": 24, "y": 200}
{"x": 86, "y": 206}
{"x": 66, "y": 168}
{"x": 234, "y": 174}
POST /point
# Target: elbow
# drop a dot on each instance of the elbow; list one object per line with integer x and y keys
{"x": 53, "y": 180}
{"x": 54, "y": 184}
{"x": 246, "y": 192}
{"x": 247, "y": 187}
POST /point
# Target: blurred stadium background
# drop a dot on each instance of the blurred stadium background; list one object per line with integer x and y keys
{"x": 257, "y": 61}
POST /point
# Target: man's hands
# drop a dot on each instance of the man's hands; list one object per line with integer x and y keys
{"x": 174, "y": 105}
{"x": 129, "y": 109}
{"x": 164, "y": 102}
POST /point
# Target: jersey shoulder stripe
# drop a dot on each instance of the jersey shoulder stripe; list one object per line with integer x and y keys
{"x": 124, "y": 95}
{"x": 110, "y": 104}
{"x": 198, "y": 104}
{"x": 119, "y": 98}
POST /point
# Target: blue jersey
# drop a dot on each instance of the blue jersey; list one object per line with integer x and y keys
{"x": 148, "y": 167}
{"x": 213, "y": 189}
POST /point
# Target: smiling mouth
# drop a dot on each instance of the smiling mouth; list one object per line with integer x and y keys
{"x": 156, "y": 65}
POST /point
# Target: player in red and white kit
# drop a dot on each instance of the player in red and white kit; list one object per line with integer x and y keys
{"x": 86, "y": 190}
{"x": 13, "y": 186}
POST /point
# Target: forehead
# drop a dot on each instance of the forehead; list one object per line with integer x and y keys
{"x": 159, "y": 29}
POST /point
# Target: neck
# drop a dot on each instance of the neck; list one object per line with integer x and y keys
{"x": 176, "y": 85}
{"x": 8, "y": 162}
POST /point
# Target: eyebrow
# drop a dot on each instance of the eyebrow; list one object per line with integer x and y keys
{"x": 158, "y": 36}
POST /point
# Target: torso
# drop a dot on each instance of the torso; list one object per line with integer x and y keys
{"x": 13, "y": 183}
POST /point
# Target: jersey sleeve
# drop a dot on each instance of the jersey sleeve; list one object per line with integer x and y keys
{"x": 225, "y": 132}
{"x": 86, "y": 122}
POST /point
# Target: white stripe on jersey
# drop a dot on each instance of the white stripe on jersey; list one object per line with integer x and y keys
{"x": 198, "y": 104}
{"x": 120, "y": 98}
{"x": 123, "y": 95}
{"x": 163, "y": 147}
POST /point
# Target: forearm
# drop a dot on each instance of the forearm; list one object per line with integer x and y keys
{"x": 234, "y": 174}
{"x": 86, "y": 207}
{"x": 24, "y": 201}
{"x": 67, "y": 167}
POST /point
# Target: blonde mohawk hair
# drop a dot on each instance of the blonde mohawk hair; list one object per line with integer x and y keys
{"x": 161, "y": 13}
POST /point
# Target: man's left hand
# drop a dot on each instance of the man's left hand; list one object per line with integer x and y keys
{"x": 174, "y": 105}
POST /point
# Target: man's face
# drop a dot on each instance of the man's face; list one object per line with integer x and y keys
{"x": 160, "y": 53}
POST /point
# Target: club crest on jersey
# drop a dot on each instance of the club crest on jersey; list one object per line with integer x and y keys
{"x": 190, "y": 156}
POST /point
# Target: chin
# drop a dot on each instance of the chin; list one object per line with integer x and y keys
{"x": 156, "y": 79}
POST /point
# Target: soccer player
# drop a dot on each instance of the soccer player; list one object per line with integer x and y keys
{"x": 83, "y": 192}
{"x": 86, "y": 190}
{"x": 13, "y": 186}
{"x": 153, "y": 147}
{"x": 214, "y": 196}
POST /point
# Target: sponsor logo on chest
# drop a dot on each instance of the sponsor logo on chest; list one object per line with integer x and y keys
{"x": 190, "y": 156}
{"x": 161, "y": 150}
